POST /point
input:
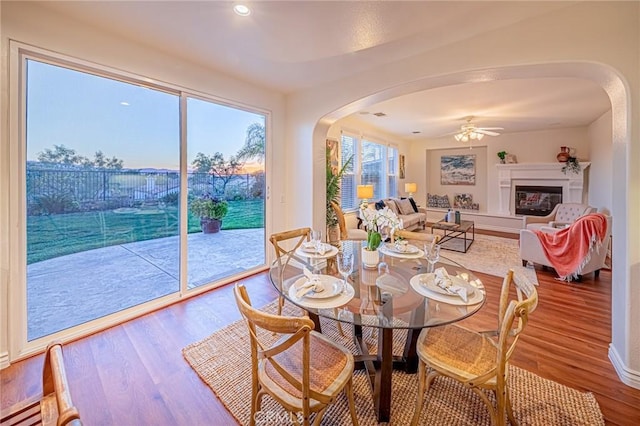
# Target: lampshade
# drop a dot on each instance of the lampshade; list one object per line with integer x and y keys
{"x": 410, "y": 187}
{"x": 365, "y": 191}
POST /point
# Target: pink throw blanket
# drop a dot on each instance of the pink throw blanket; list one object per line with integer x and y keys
{"x": 569, "y": 250}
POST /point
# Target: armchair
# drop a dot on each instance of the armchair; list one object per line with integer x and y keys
{"x": 531, "y": 250}
{"x": 562, "y": 214}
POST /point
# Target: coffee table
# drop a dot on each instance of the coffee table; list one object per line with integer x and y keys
{"x": 454, "y": 232}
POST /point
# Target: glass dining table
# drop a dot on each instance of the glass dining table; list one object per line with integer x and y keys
{"x": 403, "y": 293}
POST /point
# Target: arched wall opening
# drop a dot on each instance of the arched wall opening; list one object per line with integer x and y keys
{"x": 623, "y": 351}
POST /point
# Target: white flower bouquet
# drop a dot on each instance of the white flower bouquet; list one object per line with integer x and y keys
{"x": 376, "y": 221}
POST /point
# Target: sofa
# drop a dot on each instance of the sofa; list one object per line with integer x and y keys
{"x": 562, "y": 215}
{"x": 412, "y": 216}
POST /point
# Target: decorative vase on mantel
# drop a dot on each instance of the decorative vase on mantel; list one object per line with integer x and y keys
{"x": 564, "y": 154}
{"x": 370, "y": 258}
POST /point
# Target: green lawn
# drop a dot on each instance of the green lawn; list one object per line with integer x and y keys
{"x": 52, "y": 236}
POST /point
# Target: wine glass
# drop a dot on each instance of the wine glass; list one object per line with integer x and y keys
{"x": 432, "y": 254}
{"x": 345, "y": 266}
{"x": 316, "y": 239}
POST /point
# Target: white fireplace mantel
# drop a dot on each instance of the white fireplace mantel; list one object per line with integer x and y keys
{"x": 574, "y": 185}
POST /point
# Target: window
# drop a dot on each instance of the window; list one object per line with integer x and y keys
{"x": 373, "y": 164}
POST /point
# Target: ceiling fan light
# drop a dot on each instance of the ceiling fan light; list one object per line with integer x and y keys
{"x": 465, "y": 138}
{"x": 473, "y": 135}
{"x": 458, "y": 137}
{"x": 480, "y": 136}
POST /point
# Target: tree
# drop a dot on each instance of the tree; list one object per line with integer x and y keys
{"x": 216, "y": 165}
{"x": 60, "y": 154}
{"x": 254, "y": 143}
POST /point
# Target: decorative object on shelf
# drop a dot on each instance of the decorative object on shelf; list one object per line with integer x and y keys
{"x": 564, "y": 154}
{"x": 502, "y": 155}
{"x": 572, "y": 165}
{"x": 511, "y": 159}
{"x": 438, "y": 201}
{"x": 458, "y": 169}
{"x": 465, "y": 201}
{"x": 210, "y": 210}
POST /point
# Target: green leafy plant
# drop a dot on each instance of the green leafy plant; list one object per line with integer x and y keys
{"x": 572, "y": 165}
{"x": 209, "y": 207}
{"x": 375, "y": 221}
{"x": 333, "y": 180}
{"x": 502, "y": 155}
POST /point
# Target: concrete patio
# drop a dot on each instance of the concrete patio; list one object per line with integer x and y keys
{"x": 95, "y": 283}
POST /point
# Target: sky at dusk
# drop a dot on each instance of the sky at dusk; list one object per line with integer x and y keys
{"x": 135, "y": 124}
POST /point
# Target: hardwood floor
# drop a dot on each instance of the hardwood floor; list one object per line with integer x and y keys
{"x": 134, "y": 373}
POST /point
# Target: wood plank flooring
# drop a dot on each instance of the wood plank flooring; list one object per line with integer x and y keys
{"x": 134, "y": 373}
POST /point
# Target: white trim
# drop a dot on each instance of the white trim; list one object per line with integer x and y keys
{"x": 627, "y": 376}
{"x": 4, "y": 360}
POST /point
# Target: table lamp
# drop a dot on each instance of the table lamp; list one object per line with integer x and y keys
{"x": 410, "y": 188}
{"x": 364, "y": 192}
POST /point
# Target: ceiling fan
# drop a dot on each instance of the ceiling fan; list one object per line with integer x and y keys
{"x": 469, "y": 131}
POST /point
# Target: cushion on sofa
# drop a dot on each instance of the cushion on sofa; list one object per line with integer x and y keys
{"x": 391, "y": 204}
{"x": 405, "y": 207}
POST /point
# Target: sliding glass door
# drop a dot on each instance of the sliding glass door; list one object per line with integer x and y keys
{"x": 112, "y": 211}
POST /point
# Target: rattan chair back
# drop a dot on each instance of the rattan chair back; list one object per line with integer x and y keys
{"x": 302, "y": 370}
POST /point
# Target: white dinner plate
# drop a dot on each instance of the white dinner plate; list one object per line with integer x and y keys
{"x": 385, "y": 250}
{"x": 428, "y": 280}
{"x": 330, "y": 251}
{"x": 338, "y": 300}
{"x": 330, "y": 285}
{"x": 420, "y": 288}
{"x": 411, "y": 249}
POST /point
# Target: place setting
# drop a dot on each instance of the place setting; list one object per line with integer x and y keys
{"x": 401, "y": 249}
{"x": 315, "y": 248}
{"x": 319, "y": 291}
{"x": 444, "y": 287}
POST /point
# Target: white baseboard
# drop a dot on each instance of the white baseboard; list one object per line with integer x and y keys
{"x": 627, "y": 376}
{"x": 4, "y": 360}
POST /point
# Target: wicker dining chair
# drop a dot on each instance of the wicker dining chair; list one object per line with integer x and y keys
{"x": 282, "y": 244}
{"x": 347, "y": 233}
{"x": 479, "y": 360}
{"x": 304, "y": 371}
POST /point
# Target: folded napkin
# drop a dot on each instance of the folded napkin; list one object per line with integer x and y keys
{"x": 312, "y": 284}
{"x": 444, "y": 281}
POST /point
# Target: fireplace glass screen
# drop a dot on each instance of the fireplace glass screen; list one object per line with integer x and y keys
{"x": 537, "y": 200}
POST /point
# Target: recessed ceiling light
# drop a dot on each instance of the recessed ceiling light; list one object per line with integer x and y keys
{"x": 415, "y": 132}
{"x": 379, "y": 114}
{"x": 124, "y": 103}
{"x": 242, "y": 10}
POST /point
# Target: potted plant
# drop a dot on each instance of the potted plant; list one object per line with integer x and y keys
{"x": 333, "y": 181}
{"x": 502, "y": 155}
{"x": 571, "y": 165}
{"x": 211, "y": 211}
{"x": 376, "y": 221}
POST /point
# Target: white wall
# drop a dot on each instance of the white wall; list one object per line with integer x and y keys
{"x": 601, "y": 173}
{"x": 528, "y": 147}
{"x": 593, "y": 40}
{"x": 28, "y": 23}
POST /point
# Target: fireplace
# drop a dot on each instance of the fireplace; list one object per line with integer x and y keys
{"x": 536, "y": 200}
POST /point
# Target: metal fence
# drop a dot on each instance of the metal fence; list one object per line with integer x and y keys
{"x": 51, "y": 191}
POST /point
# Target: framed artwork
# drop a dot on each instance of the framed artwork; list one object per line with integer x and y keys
{"x": 458, "y": 169}
{"x": 401, "y": 172}
{"x": 464, "y": 201}
{"x": 332, "y": 155}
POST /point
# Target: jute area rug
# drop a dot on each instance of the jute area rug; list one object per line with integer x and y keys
{"x": 491, "y": 255}
{"x": 223, "y": 361}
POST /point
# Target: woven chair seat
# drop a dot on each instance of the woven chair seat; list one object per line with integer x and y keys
{"x": 328, "y": 365}
{"x": 462, "y": 352}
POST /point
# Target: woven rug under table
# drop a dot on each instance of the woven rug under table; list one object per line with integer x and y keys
{"x": 223, "y": 361}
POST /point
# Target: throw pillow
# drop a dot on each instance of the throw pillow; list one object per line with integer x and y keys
{"x": 405, "y": 207}
{"x": 414, "y": 205}
{"x": 392, "y": 206}
{"x": 380, "y": 205}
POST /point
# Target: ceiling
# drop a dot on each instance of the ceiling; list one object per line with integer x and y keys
{"x": 290, "y": 46}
